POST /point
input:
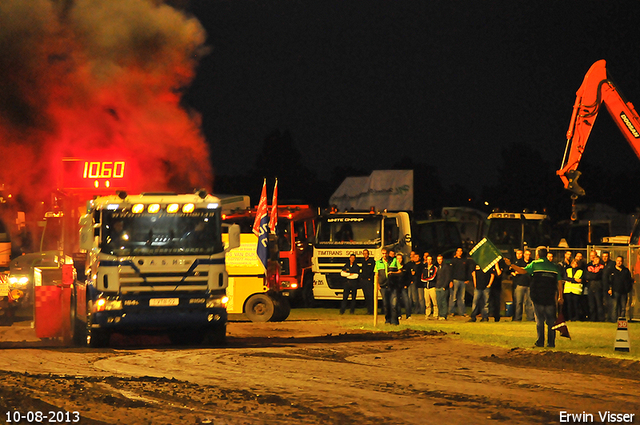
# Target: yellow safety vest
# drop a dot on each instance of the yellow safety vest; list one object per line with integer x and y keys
{"x": 573, "y": 287}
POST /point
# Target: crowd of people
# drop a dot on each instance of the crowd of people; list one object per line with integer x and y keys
{"x": 596, "y": 290}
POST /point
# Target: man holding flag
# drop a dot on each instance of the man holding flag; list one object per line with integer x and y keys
{"x": 546, "y": 288}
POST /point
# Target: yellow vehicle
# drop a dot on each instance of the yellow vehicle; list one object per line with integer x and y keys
{"x": 251, "y": 291}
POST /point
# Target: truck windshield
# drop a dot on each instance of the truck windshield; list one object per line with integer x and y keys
{"x": 362, "y": 231}
{"x": 125, "y": 233}
{"x": 517, "y": 232}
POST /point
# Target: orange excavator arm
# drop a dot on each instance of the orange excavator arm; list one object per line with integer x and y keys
{"x": 595, "y": 90}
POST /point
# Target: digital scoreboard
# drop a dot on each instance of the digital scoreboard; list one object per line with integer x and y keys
{"x": 95, "y": 175}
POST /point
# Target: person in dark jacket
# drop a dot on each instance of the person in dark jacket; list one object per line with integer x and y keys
{"x": 443, "y": 282}
{"x": 429, "y": 273}
{"x": 366, "y": 279}
{"x": 482, "y": 283}
{"x": 607, "y": 299}
{"x": 403, "y": 280}
{"x": 566, "y": 262}
{"x": 521, "y": 288}
{"x": 416, "y": 289}
{"x": 460, "y": 277}
{"x": 593, "y": 278}
{"x": 495, "y": 293}
{"x": 350, "y": 273}
{"x": 620, "y": 284}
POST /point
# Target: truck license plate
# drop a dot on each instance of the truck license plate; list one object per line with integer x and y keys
{"x": 163, "y": 302}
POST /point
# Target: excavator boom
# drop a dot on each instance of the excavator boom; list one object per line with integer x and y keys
{"x": 596, "y": 89}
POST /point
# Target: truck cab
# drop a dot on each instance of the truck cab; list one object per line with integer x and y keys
{"x": 510, "y": 231}
{"x": 155, "y": 262}
{"x": 339, "y": 235}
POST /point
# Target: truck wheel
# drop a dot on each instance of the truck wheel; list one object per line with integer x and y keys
{"x": 96, "y": 338}
{"x": 6, "y": 316}
{"x": 78, "y": 328}
{"x": 283, "y": 308}
{"x": 259, "y": 308}
{"x": 307, "y": 290}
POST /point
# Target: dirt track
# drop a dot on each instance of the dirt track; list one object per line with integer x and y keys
{"x": 309, "y": 371}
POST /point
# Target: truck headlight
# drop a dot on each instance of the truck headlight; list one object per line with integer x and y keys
{"x": 218, "y": 302}
{"x": 103, "y": 304}
{"x": 18, "y": 281}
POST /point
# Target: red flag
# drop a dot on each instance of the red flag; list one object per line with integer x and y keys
{"x": 262, "y": 209}
{"x": 273, "y": 221}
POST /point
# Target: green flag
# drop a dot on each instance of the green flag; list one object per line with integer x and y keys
{"x": 485, "y": 254}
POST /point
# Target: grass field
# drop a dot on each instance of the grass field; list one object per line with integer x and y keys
{"x": 586, "y": 338}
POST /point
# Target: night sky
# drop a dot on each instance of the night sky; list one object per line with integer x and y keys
{"x": 448, "y": 83}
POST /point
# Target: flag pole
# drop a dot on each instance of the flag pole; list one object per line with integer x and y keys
{"x": 375, "y": 299}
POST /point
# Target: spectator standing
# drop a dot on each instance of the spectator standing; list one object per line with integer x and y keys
{"x": 564, "y": 265}
{"x": 366, "y": 279}
{"x": 620, "y": 284}
{"x": 583, "y": 302}
{"x": 593, "y": 278}
{"x": 546, "y": 290}
{"x": 607, "y": 299}
{"x": 459, "y": 276}
{"x": 495, "y": 293}
{"x": 402, "y": 282}
{"x": 573, "y": 290}
{"x": 443, "y": 282}
{"x": 521, "y": 288}
{"x": 351, "y": 274}
{"x": 429, "y": 273}
{"x": 416, "y": 288}
{"x": 384, "y": 266}
{"x": 482, "y": 286}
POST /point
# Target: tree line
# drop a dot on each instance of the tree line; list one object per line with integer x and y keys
{"x": 525, "y": 180}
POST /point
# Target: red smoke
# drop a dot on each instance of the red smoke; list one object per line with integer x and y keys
{"x": 94, "y": 78}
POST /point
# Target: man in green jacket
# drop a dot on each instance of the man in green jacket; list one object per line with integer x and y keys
{"x": 546, "y": 290}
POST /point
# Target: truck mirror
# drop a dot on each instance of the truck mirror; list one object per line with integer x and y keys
{"x": 234, "y": 237}
{"x": 87, "y": 232}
